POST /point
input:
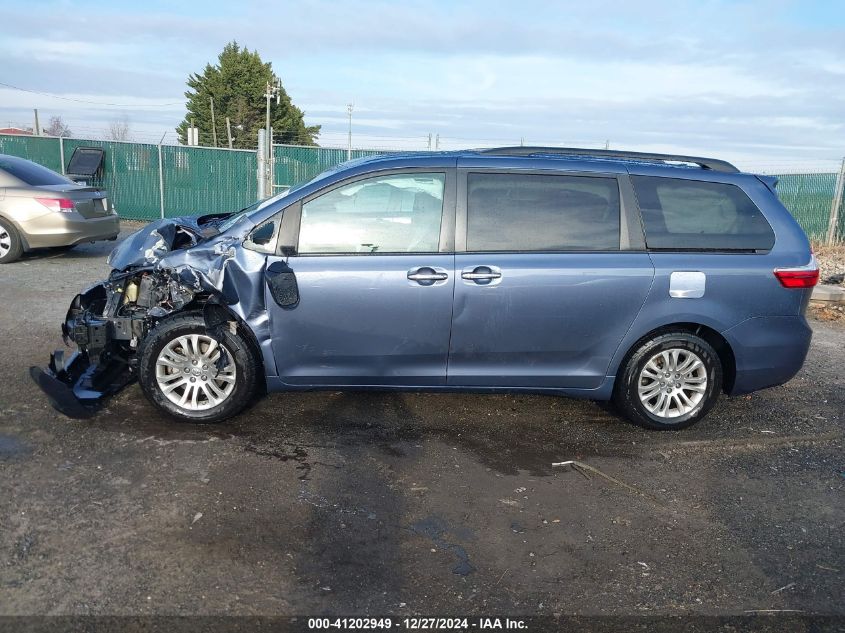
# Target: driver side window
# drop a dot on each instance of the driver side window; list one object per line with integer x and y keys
{"x": 398, "y": 213}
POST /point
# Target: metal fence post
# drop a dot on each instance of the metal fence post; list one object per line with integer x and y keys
{"x": 271, "y": 165}
{"x": 62, "y": 153}
{"x": 833, "y": 222}
{"x": 160, "y": 182}
{"x": 262, "y": 164}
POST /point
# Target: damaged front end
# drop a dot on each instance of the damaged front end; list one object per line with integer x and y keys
{"x": 107, "y": 322}
{"x": 169, "y": 266}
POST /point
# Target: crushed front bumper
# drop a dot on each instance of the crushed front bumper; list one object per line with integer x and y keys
{"x": 75, "y": 387}
{"x": 76, "y": 382}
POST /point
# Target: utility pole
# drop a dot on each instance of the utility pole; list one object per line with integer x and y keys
{"x": 229, "y": 132}
{"x": 349, "y": 107}
{"x": 437, "y": 142}
{"x": 272, "y": 90}
{"x": 429, "y": 141}
{"x": 213, "y": 124}
{"x": 37, "y": 126}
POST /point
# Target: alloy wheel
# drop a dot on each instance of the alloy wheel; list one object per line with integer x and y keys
{"x": 5, "y": 242}
{"x": 672, "y": 383}
{"x": 188, "y": 375}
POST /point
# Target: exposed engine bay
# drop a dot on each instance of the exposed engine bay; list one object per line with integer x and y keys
{"x": 168, "y": 267}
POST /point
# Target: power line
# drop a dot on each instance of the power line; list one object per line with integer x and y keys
{"x": 116, "y": 105}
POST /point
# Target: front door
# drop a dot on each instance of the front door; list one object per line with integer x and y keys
{"x": 544, "y": 292}
{"x": 375, "y": 283}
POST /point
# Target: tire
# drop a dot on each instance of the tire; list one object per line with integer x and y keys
{"x": 159, "y": 367}
{"x": 642, "y": 389}
{"x": 11, "y": 245}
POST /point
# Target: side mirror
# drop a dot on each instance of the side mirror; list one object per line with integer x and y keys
{"x": 282, "y": 283}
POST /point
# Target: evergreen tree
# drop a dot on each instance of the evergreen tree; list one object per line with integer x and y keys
{"x": 238, "y": 83}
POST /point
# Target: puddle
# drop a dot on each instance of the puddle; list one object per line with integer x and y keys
{"x": 435, "y": 528}
{"x": 12, "y": 447}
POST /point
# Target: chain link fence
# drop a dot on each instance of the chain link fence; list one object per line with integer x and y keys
{"x": 191, "y": 180}
{"x": 293, "y": 164}
{"x": 148, "y": 181}
{"x": 809, "y": 197}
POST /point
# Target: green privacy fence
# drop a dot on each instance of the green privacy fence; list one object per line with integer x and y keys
{"x": 809, "y": 198}
{"x": 40, "y": 149}
{"x": 191, "y": 181}
{"x": 294, "y": 164}
{"x": 197, "y": 180}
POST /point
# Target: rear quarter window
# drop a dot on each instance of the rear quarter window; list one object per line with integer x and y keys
{"x": 31, "y": 173}
{"x": 681, "y": 214}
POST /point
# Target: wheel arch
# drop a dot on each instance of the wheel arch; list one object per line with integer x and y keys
{"x": 217, "y": 315}
{"x": 15, "y": 225}
{"x": 712, "y": 336}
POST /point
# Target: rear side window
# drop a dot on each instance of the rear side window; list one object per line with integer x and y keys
{"x": 527, "y": 212}
{"x": 31, "y": 173}
{"x": 694, "y": 215}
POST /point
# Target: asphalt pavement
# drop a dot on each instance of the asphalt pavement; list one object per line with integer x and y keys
{"x": 401, "y": 503}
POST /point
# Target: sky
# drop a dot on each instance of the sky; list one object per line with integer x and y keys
{"x": 758, "y": 82}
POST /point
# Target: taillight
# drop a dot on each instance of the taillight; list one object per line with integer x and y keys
{"x": 800, "y": 277}
{"x": 60, "y": 205}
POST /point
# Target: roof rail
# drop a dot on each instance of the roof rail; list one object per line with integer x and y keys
{"x": 519, "y": 150}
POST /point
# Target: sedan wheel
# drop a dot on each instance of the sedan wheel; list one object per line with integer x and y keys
{"x": 11, "y": 247}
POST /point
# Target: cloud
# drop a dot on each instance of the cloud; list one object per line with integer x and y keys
{"x": 759, "y": 77}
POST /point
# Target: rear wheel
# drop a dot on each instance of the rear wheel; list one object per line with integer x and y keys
{"x": 669, "y": 382}
{"x": 11, "y": 246}
{"x": 193, "y": 376}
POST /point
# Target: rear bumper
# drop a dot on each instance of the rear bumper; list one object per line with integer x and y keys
{"x": 768, "y": 351}
{"x": 60, "y": 229}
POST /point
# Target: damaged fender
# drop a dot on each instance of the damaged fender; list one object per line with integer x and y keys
{"x": 169, "y": 266}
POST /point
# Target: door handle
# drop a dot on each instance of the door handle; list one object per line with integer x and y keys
{"x": 481, "y": 273}
{"x": 482, "y": 276}
{"x": 427, "y": 275}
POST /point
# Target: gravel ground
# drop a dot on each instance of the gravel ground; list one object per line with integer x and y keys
{"x": 399, "y": 503}
{"x": 831, "y": 263}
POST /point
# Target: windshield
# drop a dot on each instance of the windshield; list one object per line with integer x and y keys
{"x": 256, "y": 206}
{"x": 236, "y": 217}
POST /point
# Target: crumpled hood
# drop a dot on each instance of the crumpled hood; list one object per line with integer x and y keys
{"x": 147, "y": 246}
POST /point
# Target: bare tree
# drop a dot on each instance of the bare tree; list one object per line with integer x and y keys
{"x": 118, "y": 130}
{"x": 57, "y": 127}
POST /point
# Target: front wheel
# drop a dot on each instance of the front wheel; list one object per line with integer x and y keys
{"x": 669, "y": 382}
{"x": 193, "y": 376}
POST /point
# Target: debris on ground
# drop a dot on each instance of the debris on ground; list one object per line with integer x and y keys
{"x": 584, "y": 469}
{"x": 831, "y": 263}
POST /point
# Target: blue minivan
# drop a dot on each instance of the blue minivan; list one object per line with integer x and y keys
{"x": 656, "y": 281}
